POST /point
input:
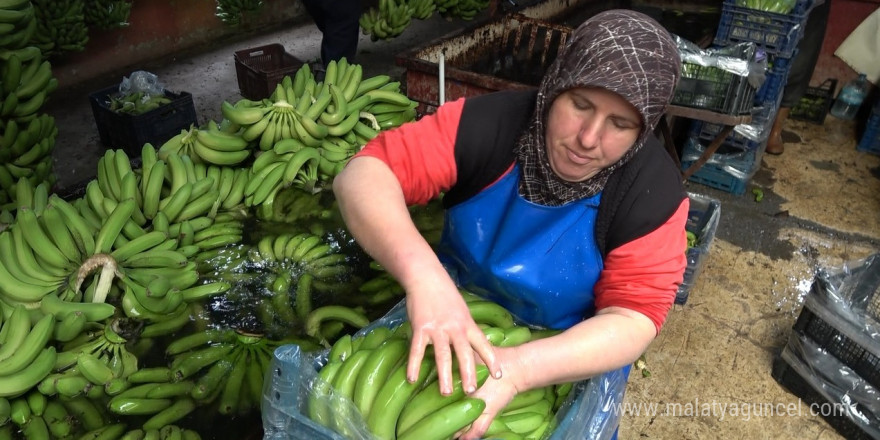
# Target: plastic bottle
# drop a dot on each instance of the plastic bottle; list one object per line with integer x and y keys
{"x": 850, "y": 98}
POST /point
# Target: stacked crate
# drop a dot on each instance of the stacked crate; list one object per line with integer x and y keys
{"x": 832, "y": 359}
{"x": 776, "y": 37}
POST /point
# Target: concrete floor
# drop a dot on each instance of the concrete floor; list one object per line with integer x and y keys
{"x": 820, "y": 208}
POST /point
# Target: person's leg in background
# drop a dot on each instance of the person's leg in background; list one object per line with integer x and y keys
{"x": 801, "y": 71}
{"x": 338, "y": 22}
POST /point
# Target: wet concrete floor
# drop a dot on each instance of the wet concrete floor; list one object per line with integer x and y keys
{"x": 821, "y": 208}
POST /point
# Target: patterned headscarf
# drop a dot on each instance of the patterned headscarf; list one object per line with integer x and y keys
{"x": 623, "y": 51}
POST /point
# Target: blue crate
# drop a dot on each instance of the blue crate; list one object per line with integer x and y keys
{"x": 774, "y": 84}
{"x": 777, "y": 34}
{"x": 729, "y": 169}
{"x": 870, "y": 142}
{"x": 703, "y": 216}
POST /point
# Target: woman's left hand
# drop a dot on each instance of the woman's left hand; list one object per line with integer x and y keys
{"x": 497, "y": 393}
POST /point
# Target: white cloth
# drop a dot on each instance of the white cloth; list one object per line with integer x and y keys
{"x": 861, "y": 49}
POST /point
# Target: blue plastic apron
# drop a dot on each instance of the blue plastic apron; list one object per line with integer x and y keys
{"x": 540, "y": 262}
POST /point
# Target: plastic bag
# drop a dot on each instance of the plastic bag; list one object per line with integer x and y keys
{"x": 742, "y": 59}
{"x": 591, "y": 410}
{"x": 142, "y": 81}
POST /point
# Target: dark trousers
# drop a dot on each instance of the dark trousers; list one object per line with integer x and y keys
{"x": 338, "y": 22}
{"x": 804, "y": 61}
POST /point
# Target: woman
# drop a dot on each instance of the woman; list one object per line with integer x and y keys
{"x": 561, "y": 205}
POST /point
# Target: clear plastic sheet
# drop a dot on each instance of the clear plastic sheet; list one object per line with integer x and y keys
{"x": 837, "y": 383}
{"x": 740, "y": 164}
{"x": 741, "y": 59}
{"x": 852, "y": 292}
{"x": 591, "y": 411}
{"x": 142, "y": 81}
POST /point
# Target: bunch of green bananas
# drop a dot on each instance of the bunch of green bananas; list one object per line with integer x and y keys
{"x": 26, "y": 153}
{"x": 464, "y": 9}
{"x": 26, "y": 356}
{"x": 209, "y": 145}
{"x": 60, "y": 26}
{"x": 17, "y": 23}
{"x": 136, "y": 103}
{"x": 390, "y": 19}
{"x": 224, "y": 366}
{"x": 95, "y": 364}
{"x": 38, "y": 417}
{"x": 231, "y": 12}
{"x": 296, "y": 262}
{"x": 27, "y": 81}
{"x": 106, "y": 14}
{"x": 292, "y": 205}
{"x": 28, "y": 137}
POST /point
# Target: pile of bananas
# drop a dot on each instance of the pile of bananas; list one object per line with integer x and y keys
{"x": 390, "y": 19}
{"x": 231, "y": 12}
{"x": 17, "y": 23}
{"x": 209, "y": 145}
{"x": 61, "y": 27}
{"x": 28, "y": 137}
{"x": 363, "y": 384}
{"x": 464, "y": 9}
{"x": 107, "y": 14}
{"x": 136, "y": 103}
{"x": 307, "y": 130}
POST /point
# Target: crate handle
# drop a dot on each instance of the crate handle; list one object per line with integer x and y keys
{"x": 257, "y": 53}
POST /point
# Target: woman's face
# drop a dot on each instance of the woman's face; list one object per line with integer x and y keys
{"x": 589, "y": 129}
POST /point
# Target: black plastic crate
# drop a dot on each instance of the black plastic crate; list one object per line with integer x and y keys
{"x": 814, "y": 105}
{"x": 777, "y": 34}
{"x": 130, "y": 132}
{"x": 713, "y": 89}
{"x": 841, "y": 336}
{"x": 260, "y": 69}
{"x": 703, "y": 217}
{"x": 794, "y": 381}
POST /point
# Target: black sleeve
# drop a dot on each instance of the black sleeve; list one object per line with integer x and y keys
{"x": 484, "y": 144}
{"x": 639, "y": 197}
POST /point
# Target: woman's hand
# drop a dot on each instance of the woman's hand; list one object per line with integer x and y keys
{"x": 497, "y": 393}
{"x": 439, "y": 316}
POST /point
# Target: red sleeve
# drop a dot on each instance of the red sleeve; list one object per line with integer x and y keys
{"x": 644, "y": 274}
{"x": 421, "y": 154}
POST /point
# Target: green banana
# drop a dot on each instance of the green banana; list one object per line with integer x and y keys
{"x": 446, "y": 421}
{"x": 392, "y": 397}
{"x": 178, "y": 410}
{"x": 487, "y": 312}
{"x": 375, "y": 372}
{"x": 31, "y": 347}
{"x": 428, "y": 400}
{"x": 25, "y": 379}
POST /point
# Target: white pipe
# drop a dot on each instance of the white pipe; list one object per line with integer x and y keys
{"x": 442, "y": 91}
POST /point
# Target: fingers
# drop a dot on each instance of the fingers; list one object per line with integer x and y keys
{"x": 466, "y": 364}
{"x": 443, "y": 358}
{"x": 486, "y": 352}
{"x": 416, "y": 353}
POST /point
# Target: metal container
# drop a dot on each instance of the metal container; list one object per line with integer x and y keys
{"x": 510, "y": 53}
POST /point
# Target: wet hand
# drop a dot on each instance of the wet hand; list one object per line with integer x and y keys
{"x": 442, "y": 319}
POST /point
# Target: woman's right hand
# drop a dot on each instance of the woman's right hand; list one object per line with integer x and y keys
{"x": 440, "y": 317}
